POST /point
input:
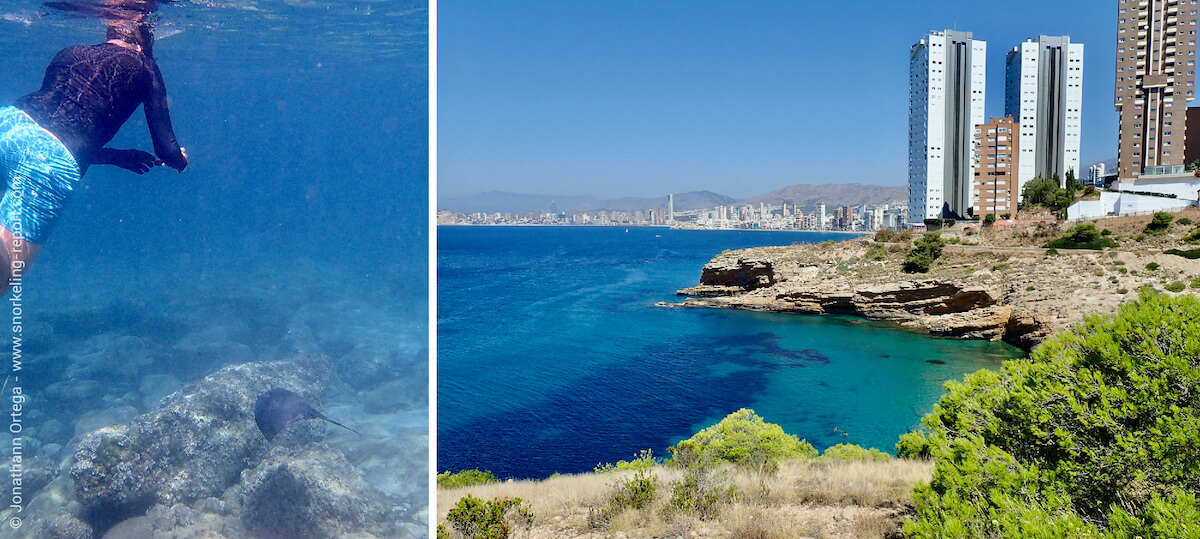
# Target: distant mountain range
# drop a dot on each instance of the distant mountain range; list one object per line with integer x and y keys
{"x": 807, "y": 195}
{"x": 502, "y": 202}
{"x": 833, "y": 195}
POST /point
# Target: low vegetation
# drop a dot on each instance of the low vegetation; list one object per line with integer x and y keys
{"x": 1082, "y": 236}
{"x": 465, "y": 478}
{"x": 924, "y": 252}
{"x": 742, "y": 477}
{"x": 473, "y": 518}
{"x": 1159, "y": 224}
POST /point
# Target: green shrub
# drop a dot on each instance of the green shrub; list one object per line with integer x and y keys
{"x": 634, "y": 492}
{"x": 925, "y": 250}
{"x": 1006, "y": 216}
{"x": 989, "y": 218}
{"x": 477, "y": 519}
{"x": 876, "y": 252}
{"x": 465, "y": 478}
{"x": 744, "y": 439}
{"x": 1106, "y": 232}
{"x": 1176, "y": 286}
{"x": 1082, "y": 236}
{"x": 853, "y": 453}
{"x": 1174, "y": 516}
{"x": 644, "y": 460}
{"x": 1030, "y": 288}
{"x": 1184, "y": 221}
{"x": 1096, "y": 430}
{"x": 1192, "y": 237}
{"x": 884, "y": 235}
{"x": 1196, "y": 282}
{"x": 1190, "y": 254}
{"x": 1159, "y": 223}
{"x": 1122, "y": 291}
{"x": 1051, "y": 251}
{"x": 702, "y": 491}
{"x": 1152, "y": 266}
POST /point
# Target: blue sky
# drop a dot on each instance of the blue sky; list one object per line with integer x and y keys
{"x": 643, "y": 98}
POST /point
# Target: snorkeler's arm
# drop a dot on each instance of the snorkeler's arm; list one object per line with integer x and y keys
{"x": 131, "y": 160}
{"x": 159, "y": 120}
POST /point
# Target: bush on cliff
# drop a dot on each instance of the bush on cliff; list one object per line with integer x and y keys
{"x": 465, "y": 478}
{"x": 1159, "y": 223}
{"x": 1082, "y": 236}
{"x": 925, "y": 250}
{"x": 474, "y": 518}
{"x": 744, "y": 439}
{"x": 1093, "y": 436}
{"x": 853, "y": 453}
{"x": 1192, "y": 237}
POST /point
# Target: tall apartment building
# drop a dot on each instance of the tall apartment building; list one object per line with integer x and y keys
{"x": 945, "y": 103}
{"x": 1043, "y": 91}
{"x": 997, "y": 157}
{"x": 1156, "y": 72}
{"x": 1096, "y": 174}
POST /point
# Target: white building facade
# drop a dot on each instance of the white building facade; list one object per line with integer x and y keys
{"x": 946, "y": 96}
{"x": 1043, "y": 92}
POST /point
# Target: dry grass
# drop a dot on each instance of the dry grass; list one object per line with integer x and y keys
{"x": 804, "y": 499}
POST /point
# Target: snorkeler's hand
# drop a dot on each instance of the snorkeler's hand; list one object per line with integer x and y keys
{"x": 179, "y": 164}
{"x": 132, "y": 160}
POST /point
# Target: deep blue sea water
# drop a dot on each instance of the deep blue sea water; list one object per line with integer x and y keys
{"x": 553, "y": 356}
{"x": 304, "y": 205}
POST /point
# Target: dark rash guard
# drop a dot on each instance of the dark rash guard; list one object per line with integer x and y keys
{"x": 91, "y": 90}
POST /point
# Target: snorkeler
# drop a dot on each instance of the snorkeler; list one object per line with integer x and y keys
{"x": 50, "y": 137}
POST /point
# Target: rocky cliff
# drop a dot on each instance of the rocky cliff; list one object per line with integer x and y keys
{"x": 1018, "y": 294}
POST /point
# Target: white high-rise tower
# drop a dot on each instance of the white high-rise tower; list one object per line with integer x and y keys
{"x": 946, "y": 93}
{"x": 1043, "y": 92}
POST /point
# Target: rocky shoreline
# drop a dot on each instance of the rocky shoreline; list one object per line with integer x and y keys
{"x": 1004, "y": 289}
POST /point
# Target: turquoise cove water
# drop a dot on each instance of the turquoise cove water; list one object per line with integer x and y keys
{"x": 553, "y": 355}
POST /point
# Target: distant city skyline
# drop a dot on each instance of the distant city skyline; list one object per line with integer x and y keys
{"x": 638, "y": 99}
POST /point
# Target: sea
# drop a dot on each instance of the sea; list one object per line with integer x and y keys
{"x": 302, "y": 217}
{"x": 555, "y": 356}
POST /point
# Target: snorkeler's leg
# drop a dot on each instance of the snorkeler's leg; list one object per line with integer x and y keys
{"x": 40, "y": 174}
{"x": 16, "y": 255}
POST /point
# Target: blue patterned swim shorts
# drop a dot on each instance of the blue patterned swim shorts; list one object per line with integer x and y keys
{"x": 39, "y": 173}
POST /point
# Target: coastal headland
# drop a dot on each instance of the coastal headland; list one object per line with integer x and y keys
{"x": 996, "y": 283}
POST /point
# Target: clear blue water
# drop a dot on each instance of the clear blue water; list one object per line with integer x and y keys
{"x": 304, "y": 203}
{"x": 553, "y": 356}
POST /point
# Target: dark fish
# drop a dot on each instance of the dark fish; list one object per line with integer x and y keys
{"x": 935, "y": 362}
{"x": 279, "y": 408}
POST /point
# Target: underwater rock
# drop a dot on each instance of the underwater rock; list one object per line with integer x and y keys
{"x": 312, "y": 493}
{"x": 396, "y": 464}
{"x": 61, "y": 527}
{"x": 96, "y": 419}
{"x": 193, "y": 446}
{"x": 404, "y": 394}
{"x": 177, "y": 521}
{"x": 113, "y": 359}
{"x": 53, "y": 430}
{"x": 156, "y": 386}
{"x": 74, "y": 392}
{"x": 366, "y": 367}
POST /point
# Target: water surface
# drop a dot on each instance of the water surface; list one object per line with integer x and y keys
{"x": 553, "y": 356}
